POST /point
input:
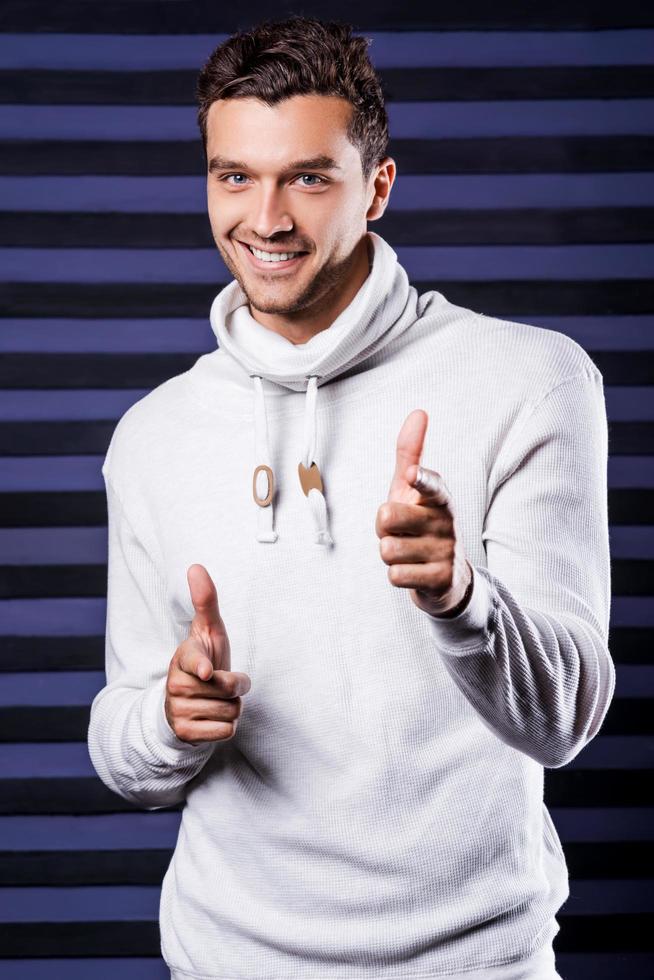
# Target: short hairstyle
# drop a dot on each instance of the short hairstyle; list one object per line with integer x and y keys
{"x": 300, "y": 56}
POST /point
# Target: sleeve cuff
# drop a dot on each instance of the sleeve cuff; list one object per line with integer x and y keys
{"x": 471, "y": 629}
{"x": 155, "y": 723}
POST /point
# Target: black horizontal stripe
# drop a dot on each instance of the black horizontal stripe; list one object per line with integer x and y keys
{"x": 630, "y": 506}
{"x": 54, "y": 653}
{"x": 83, "y": 437}
{"x": 468, "y": 84}
{"x": 618, "y": 859}
{"x": 55, "y": 940}
{"x": 627, "y": 932}
{"x": 147, "y": 370}
{"x": 469, "y": 155}
{"x": 455, "y": 226}
{"x": 88, "y": 795}
{"x": 59, "y": 508}
{"x": 632, "y": 576}
{"x": 97, "y": 370}
{"x": 599, "y": 787}
{"x": 73, "y": 868}
{"x": 88, "y": 508}
{"x": 53, "y": 581}
{"x": 45, "y": 723}
{"x": 627, "y": 644}
{"x": 205, "y": 17}
{"x": 631, "y": 932}
{"x": 523, "y": 226}
{"x": 497, "y": 297}
{"x": 629, "y": 577}
{"x": 69, "y": 795}
{"x": 631, "y": 439}
{"x": 69, "y": 723}
{"x": 633, "y": 860}
{"x": 77, "y": 437}
{"x": 39, "y": 86}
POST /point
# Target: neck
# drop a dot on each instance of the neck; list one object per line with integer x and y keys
{"x": 307, "y": 325}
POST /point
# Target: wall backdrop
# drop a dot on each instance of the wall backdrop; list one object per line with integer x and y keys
{"x": 522, "y": 135}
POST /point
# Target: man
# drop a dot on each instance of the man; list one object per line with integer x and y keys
{"x": 358, "y": 730}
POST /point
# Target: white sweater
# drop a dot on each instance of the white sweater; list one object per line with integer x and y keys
{"x": 379, "y": 812}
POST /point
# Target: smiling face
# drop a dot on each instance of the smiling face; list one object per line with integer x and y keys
{"x": 286, "y": 179}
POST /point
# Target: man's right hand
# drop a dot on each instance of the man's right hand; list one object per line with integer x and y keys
{"x": 203, "y": 695}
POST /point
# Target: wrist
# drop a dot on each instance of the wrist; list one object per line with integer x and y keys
{"x": 463, "y": 602}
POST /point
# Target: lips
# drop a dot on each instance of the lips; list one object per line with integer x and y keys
{"x": 272, "y": 266}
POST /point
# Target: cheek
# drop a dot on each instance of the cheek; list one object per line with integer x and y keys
{"x": 212, "y": 212}
{"x": 219, "y": 222}
{"x": 216, "y": 203}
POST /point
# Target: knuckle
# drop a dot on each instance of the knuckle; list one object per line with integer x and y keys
{"x": 230, "y": 685}
{"x": 387, "y": 548}
{"x": 237, "y": 708}
{"x": 175, "y": 686}
{"x": 184, "y": 730}
{"x": 226, "y": 730}
{"x": 227, "y": 711}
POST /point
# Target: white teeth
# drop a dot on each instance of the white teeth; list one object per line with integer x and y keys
{"x": 270, "y": 257}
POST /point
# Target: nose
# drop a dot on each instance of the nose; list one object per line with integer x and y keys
{"x": 270, "y": 218}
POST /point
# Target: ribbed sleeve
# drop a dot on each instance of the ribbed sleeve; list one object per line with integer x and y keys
{"x": 133, "y": 749}
{"x": 530, "y": 651}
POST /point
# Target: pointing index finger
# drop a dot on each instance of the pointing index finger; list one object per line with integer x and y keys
{"x": 432, "y": 487}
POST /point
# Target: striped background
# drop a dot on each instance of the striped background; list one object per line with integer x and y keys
{"x": 525, "y": 189}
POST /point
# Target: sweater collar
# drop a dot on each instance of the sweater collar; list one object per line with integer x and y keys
{"x": 383, "y": 308}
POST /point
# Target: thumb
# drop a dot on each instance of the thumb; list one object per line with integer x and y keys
{"x": 207, "y": 625}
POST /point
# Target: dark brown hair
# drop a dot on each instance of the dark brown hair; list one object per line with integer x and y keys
{"x": 300, "y": 56}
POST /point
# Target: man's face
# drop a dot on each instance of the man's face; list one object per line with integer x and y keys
{"x": 317, "y": 209}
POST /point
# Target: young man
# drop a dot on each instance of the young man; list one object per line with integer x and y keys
{"x": 358, "y": 730}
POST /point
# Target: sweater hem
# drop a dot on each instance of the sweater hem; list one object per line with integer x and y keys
{"x": 539, "y": 965}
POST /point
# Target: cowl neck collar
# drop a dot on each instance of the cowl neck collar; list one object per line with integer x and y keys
{"x": 382, "y": 309}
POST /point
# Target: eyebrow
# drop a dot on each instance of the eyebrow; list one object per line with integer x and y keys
{"x": 321, "y": 162}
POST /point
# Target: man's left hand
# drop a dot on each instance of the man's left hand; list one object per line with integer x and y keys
{"x": 417, "y": 528}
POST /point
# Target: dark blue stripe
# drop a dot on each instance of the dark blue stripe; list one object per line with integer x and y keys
{"x": 98, "y": 903}
{"x": 79, "y": 545}
{"x": 80, "y": 687}
{"x": 388, "y": 49}
{"x": 141, "y": 968}
{"x": 32, "y": 760}
{"x": 58, "y": 334}
{"x": 459, "y": 262}
{"x": 79, "y": 617}
{"x": 407, "y": 120}
{"x": 188, "y": 195}
{"x": 68, "y": 473}
{"x": 160, "y": 829}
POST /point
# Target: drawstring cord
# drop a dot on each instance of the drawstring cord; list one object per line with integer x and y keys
{"x": 263, "y": 484}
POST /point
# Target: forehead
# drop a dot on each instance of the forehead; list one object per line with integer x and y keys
{"x": 303, "y": 125}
